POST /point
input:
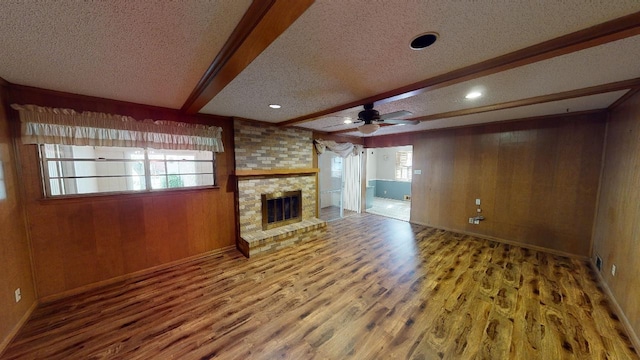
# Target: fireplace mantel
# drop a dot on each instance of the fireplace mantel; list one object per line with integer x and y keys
{"x": 275, "y": 172}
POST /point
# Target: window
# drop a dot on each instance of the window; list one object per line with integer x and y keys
{"x": 336, "y": 167}
{"x": 403, "y": 165}
{"x": 71, "y": 170}
{"x": 89, "y": 152}
{"x": 3, "y": 189}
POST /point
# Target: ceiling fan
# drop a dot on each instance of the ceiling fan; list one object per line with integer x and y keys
{"x": 372, "y": 119}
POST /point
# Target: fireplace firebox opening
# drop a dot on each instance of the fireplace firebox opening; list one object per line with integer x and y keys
{"x": 281, "y": 208}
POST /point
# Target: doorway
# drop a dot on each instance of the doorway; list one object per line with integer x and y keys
{"x": 389, "y": 175}
{"x": 339, "y": 182}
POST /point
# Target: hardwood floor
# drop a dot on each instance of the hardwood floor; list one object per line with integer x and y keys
{"x": 330, "y": 213}
{"x": 369, "y": 288}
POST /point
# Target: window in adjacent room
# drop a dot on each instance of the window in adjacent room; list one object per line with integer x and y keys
{"x": 71, "y": 170}
{"x": 3, "y": 188}
{"x": 403, "y": 165}
{"x": 336, "y": 167}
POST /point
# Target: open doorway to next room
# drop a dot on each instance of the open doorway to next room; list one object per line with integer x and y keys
{"x": 389, "y": 181}
{"x": 339, "y": 185}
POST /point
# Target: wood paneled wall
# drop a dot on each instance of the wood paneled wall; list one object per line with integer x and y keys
{"x": 537, "y": 180}
{"x": 77, "y": 242}
{"x": 15, "y": 263}
{"x": 616, "y": 233}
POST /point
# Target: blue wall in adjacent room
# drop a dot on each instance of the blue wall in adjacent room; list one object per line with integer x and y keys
{"x": 394, "y": 189}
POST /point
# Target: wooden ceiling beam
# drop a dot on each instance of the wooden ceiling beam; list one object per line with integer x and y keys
{"x": 263, "y": 22}
{"x": 624, "y": 98}
{"x": 572, "y": 94}
{"x": 404, "y": 138}
{"x": 613, "y": 30}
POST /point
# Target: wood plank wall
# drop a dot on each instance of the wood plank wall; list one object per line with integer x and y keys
{"x": 537, "y": 180}
{"x": 15, "y": 263}
{"x": 616, "y": 233}
{"x": 77, "y": 242}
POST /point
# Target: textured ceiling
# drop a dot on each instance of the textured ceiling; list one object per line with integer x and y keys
{"x": 342, "y": 51}
{"x": 337, "y": 52}
{"x": 589, "y": 67}
{"x": 149, "y": 52}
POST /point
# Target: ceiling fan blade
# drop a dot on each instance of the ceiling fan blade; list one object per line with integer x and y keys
{"x": 395, "y": 115}
{"x": 404, "y": 122}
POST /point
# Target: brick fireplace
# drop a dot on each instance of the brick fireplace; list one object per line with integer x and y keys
{"x": 275, "y": 161}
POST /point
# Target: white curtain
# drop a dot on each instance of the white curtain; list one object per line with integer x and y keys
{"x": 352, "y": 183}
{"x": 351, "y": 194}
{"x": 342, "y": 149}
{"x": 43, "y": 125}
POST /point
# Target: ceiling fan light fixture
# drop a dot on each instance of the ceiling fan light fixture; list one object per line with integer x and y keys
{"x": 423, "y": 41}
{"x": 368, "y": 128}
{"x": 275, "y": 106}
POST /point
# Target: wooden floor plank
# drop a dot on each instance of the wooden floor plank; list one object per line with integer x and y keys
{"x": 367, "y": 288}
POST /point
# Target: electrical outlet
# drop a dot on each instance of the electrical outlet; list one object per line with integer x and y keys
{"x": 18, "y": 294}
{"x": 476, "y": 222}
{"x": 470, "y": 220}
{"x": 598, "y": 262}
{"x": 478, "y": 202}
{"x": 613, "y": 270}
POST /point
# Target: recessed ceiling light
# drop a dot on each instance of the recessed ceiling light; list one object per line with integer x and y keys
{"x": 275, "y": 106}
{"x": 473, "y": 95}
{"x": 424, "y": 40}
{"x": 348, "y": 121}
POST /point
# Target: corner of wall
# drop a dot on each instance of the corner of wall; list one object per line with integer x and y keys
{"x": 615, "y": 234}
{"x": 15, "y": 248}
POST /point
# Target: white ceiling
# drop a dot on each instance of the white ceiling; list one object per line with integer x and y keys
{"x": 148, "y": 52}
{"x": 337, "y": 52}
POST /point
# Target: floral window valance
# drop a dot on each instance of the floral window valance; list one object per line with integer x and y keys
{"x": 43, "y": 125}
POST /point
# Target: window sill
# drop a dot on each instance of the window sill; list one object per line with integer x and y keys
{"x": 124, "y": 195}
